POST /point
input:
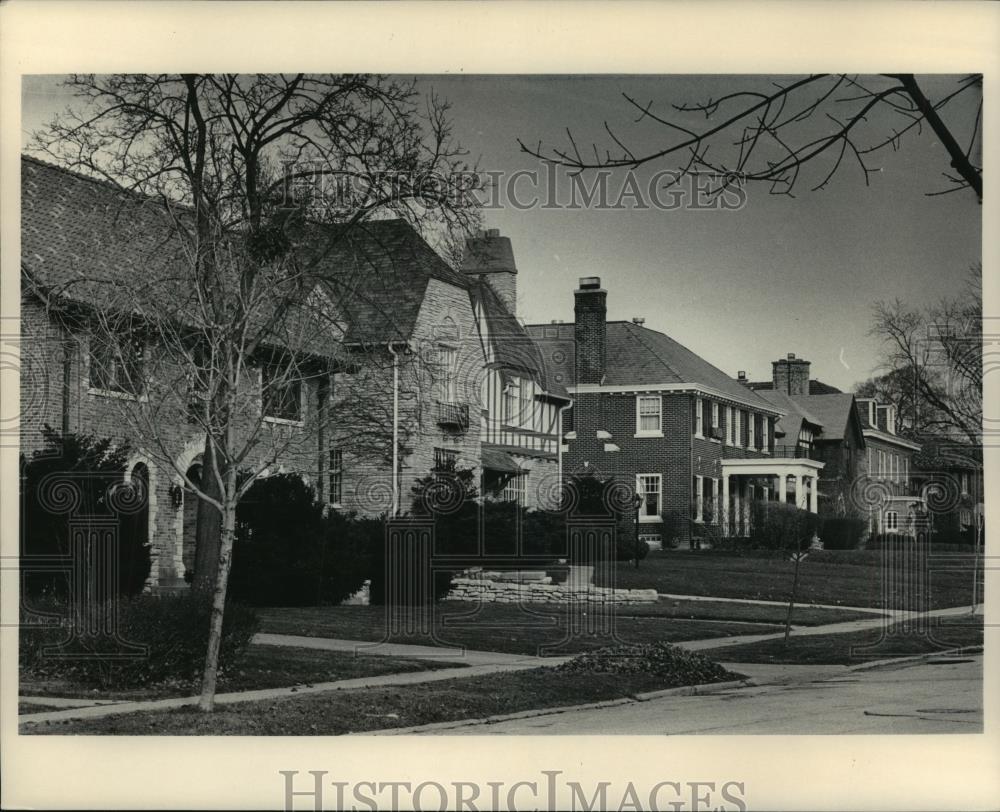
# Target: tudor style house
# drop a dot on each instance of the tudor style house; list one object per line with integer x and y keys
{"x": 409, "y": 365}
{"x": 696, "y": 444}
{"x": 867, "y": 466}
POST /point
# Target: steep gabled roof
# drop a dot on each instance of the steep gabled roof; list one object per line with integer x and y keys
{"x": 512, "y": 346}
{"x": 82, "y": 239}
{"x": 835, "y": 412}
{"x": 790, "y": 424}
{"x": 637, "y": 356}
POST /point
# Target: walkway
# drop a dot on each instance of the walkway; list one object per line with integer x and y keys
{"x": 477, "y": 662}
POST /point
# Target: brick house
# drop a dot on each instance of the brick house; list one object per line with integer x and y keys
{"x": 400, "y": 350}
{"x": 696, "y": 444}
{"x": 867, "y": 466}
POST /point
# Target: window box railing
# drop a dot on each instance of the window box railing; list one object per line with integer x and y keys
{"x": 455, "y": 415}
{"x": 794, "y": 452}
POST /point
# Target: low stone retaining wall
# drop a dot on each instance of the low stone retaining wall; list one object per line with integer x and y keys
{"x": 487, "y": 591}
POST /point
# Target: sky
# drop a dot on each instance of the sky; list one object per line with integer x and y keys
{"x": 739, "y": 287}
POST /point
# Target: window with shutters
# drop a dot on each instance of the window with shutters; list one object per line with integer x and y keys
{"x": 699, "y": 417}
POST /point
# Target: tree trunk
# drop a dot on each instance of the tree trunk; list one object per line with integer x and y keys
{"x": 211, "y": 671}
{"x": 209, "y": 528}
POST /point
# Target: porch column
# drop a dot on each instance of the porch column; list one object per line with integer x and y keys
{"x": 782, "y": 488}
{"x": 725, "y": 503}
{"x": 813, "y": 494}
{"x": 799, "y": 493}
{"x": 737, "y": 508}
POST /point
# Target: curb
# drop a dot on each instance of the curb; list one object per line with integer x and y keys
{"x": 914, "y": 658}
{"x": 696, "y": 690}
{"x": 683, "y": 690}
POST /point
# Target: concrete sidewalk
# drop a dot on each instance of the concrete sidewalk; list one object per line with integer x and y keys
{"x": 477, "y": 662}
{"x": 711, "y": 599}
{"x": 407, "y": 678}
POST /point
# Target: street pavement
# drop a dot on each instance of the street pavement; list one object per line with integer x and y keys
{"x": 943, "y": 695}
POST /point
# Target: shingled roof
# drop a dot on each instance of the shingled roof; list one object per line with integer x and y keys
{"x": 816, "y": 387}
{"x": 638, "y": 356}
{"x": 512, "y": 347}
{"x": 82, "y": 237}
{"x": 790, "y": 424}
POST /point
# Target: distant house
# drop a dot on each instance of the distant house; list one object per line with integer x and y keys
{"x": 948, "y": 473}
{"x": 696, "y": 444}
{"x": 867, "y": 466}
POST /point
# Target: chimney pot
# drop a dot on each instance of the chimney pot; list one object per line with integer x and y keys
{"x": 638, "y": 320}
{"x": 791, "y": 356}
{"x": 741, "y": 375}
{"x": 493, "y": 232}
{"x": 590, "y": 282}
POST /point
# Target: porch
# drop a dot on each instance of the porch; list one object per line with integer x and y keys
{"x": 792, "y": 480}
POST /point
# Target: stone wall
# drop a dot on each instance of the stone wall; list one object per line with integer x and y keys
{"x": 488, "y": 591}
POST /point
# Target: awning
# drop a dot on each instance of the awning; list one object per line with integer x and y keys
{"x": 501, "y": 461}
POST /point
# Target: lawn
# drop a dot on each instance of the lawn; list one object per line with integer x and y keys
{"x": 335, "y": 713}
{"x": 528, "y": 629}
{"x": 260, "y": 667}
{"x": 858, "y": 647}
{"x": 847, "y": 579}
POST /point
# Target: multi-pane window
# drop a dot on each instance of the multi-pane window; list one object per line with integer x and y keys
{"x": 699, "y": 417}
{"x": 281, "y": 392}
{"x": 715, "y": 415}
{"x": 447, "y": 373}
{"x": 511, "y": 401}
{"x": 649, "y": 414}
{"x": 514, "y": 490}
{"x": 648, "y": 487}
{"x": 752, "y": 431}
{"x": 891, "y": 520}
{"x": 526, "y": 406}
{"x": 116, "y": 362}
{"x": 730, "y": 435}
{"x": 336, "y": 476}
{"x": 445, "y": 459}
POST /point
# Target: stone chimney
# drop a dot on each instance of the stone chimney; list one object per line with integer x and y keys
{"x": 491, "y": 257}
{"x": 791, "y": 375}
{"x": 591, "y": 308}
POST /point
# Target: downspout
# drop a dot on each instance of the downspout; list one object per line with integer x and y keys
{"x": 395, "y": 431}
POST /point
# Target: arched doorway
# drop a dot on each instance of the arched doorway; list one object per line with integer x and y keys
{"x": 190, "y": 521}
{"x": 134, "y": 516}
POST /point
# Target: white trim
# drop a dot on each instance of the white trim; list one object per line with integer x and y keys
{"x": 283, "y": 421}
{"x": 878, "y": 434}
{"x": 707, "y": 391}
{"x": 114, "y": 393}
{"x": 643, "y": 518}
{"x": 639, "y": 431}
{"x": 699, "y": 417}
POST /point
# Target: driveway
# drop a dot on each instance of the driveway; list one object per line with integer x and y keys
{"x": 942, "y": 697}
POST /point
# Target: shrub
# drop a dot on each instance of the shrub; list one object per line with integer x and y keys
{"x": 778, "y": 526}
{"x": 672, "y": 664}
{"x": 80, "y": 476}
{"x": 842, "y": 532}
{"x": 287, "y": 553}
{"x": 174, "y": 628}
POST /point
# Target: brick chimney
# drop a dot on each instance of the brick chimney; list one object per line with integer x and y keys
{"x": 491, "y": 257}
{"x": 591, "y": 308}
{"x": 791, "y": 375}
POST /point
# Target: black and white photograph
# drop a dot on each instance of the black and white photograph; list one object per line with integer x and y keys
{"x": 378, "y": 408}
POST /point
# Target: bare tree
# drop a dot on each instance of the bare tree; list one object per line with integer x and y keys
{"x": 773, "y": 134}
{"x": 933, "y": 363}
{"x": 249, "y": 183}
